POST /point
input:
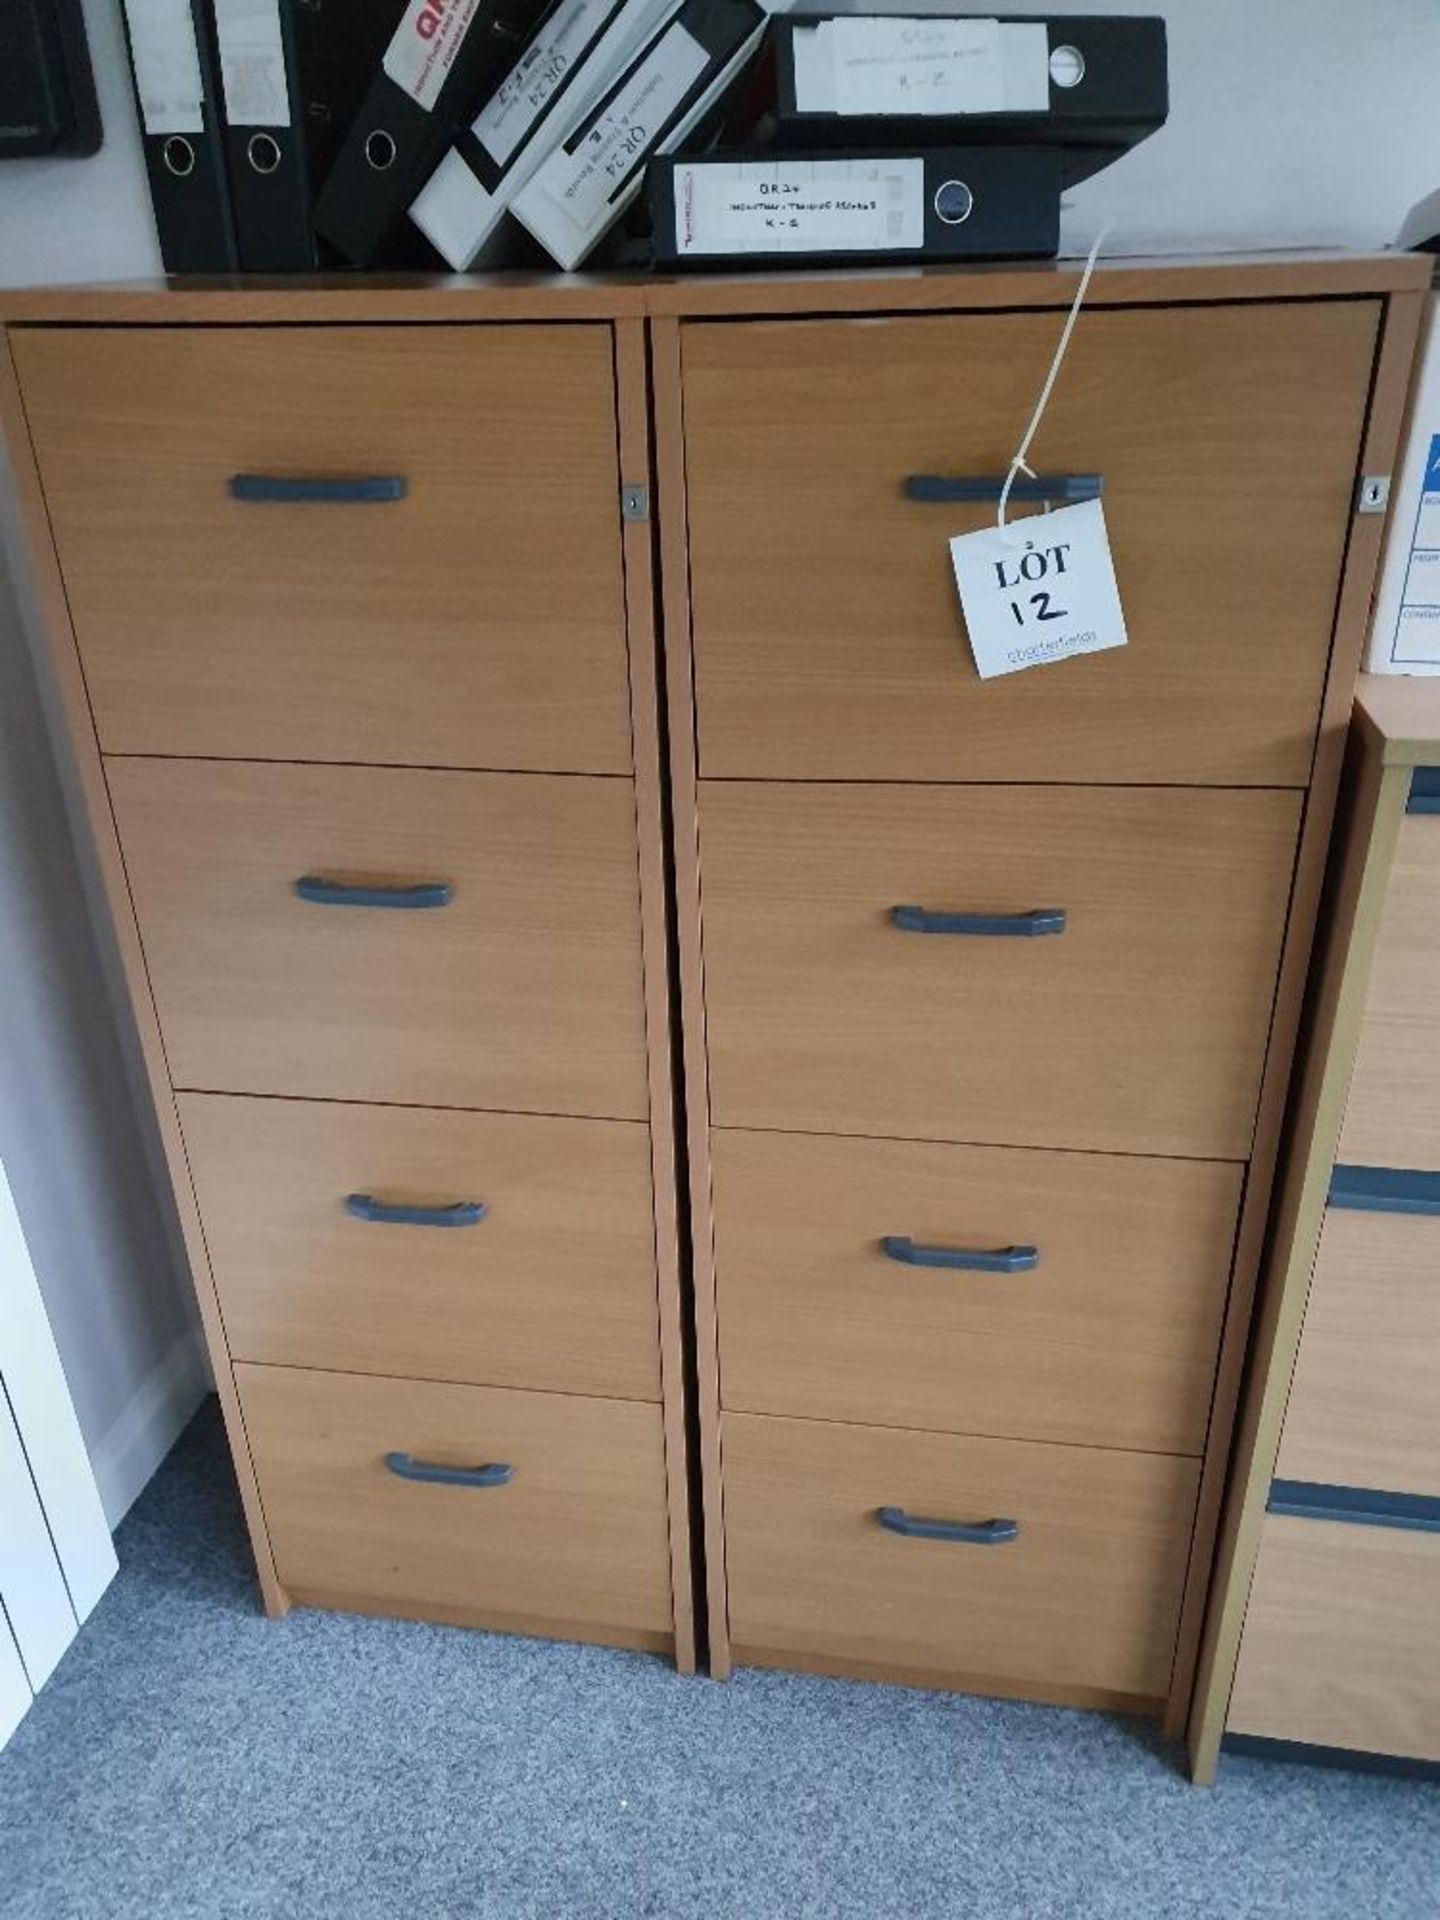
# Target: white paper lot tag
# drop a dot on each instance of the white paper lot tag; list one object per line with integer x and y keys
{"x": 1039, "y": 590}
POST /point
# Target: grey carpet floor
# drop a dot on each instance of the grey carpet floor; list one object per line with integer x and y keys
{"x": 192, "y": 1761}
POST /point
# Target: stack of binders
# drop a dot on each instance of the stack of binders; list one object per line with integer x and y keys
{"x": 282, "y": 135}
{"x": 243, "y": 108}
{"x": 887, "y": 138}
{"x": 563, "y": 143}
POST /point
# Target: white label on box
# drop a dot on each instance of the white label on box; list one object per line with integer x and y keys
{"x": 252, "y": 63}
{"x": 887, "y": 65}
{"x": 1417, "y": 628}
{"x": 167, "y": 65}
{"x": 423, "y": 47}
{"x": 626, "y": 131}
{"x": 800, "y": 206}
{"x": 1405, "y": 633}
{"x": 1039, "y": 590}
{"x": 522, "y": 96}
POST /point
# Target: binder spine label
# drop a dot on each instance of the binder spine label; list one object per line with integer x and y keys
{"x": 887, "y": 64}
{"x": 252, "y": 63}
{"x": 617, "y": 141}
{"x": 424, "y": 45}
{"x": 505, "y": 120}
{"x": 166, "y": 61}
{"x": 917, "y": 66}
{"x": 799, "y": 206}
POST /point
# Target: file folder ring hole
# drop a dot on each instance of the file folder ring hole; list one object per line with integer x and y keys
{"x": 954, "y": 202}
{"x": 263, "y": 152}
{"x": 1067, "y": 66}
{"x": 380, "y": 149}
{"x": 179, "y": 156}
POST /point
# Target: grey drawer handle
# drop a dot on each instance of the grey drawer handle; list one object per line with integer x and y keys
{"x": 899, "y": 1246}
{"x": 1383, "y": 1190}
{"x": 459, "y": 1213}
{"x": 1355, "y": 1506}
{"x": 1023, "y": 926}
{"x": 497, "y": 1474}
{"x": 985, "y": 1533}
{"x": 269, "y": 489}
{"x": 1060, "y": 489}
{"x": 321, "y": 892}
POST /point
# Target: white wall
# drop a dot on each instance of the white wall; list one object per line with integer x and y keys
{"x": 72, "y": 1134}
{"x": 66, "y": 220}
{"x": 1293, "y": 123}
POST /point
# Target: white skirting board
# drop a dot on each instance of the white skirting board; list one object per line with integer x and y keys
{"x": 157, "y": 1414}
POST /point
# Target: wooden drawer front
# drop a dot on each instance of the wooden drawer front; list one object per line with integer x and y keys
{"x": 554, "y": 1287}
{"x": 576, "y": 1543}
{"x": 1085, "y": 1597}
{"x": 1109, "y": 1341}
{"x": 828, "y": 638}
{"x": 477, "y": 622}
{"x": 1140, "y": 1029}
{"x": 1364, "y": 1406}
{"x": 1392, "y": 1114}
{"x": 1341, "y": 1645}
{"x": 523, "y": 993}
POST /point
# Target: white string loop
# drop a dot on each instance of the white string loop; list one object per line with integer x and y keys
{"x": 1021, "y": 464}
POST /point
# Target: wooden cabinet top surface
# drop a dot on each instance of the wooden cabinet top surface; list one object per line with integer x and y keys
{"x": 555, "y": 296}
{"x": 1399, "y": 718}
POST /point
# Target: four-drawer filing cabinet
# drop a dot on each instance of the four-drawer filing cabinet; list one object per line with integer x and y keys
{"x": 978, "y": 997}
{"x": 367, "y": 648}
{"x": 990, "y": 986}
{"x": 1325, "y": 1634}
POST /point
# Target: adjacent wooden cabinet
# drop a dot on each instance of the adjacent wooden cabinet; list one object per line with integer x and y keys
{"x": 1325, "y": 1631}
{"x": 362, "y": 602}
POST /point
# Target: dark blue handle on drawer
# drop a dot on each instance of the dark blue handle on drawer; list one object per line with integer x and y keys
{"x": 331, "y": 893}
{"x": 1424, "y": 791}
{"x": 1022, "y": 926}
{"x": 361, "y": 490}
{"x": 1355, "y": 1506}
{"x": 497, "y": 1474}
{"x": 1384, "y": 1190}
{"x": 897, "y": 1246}
{"x": 1061, "y": 489}
{"x": 460, "y": 1213}
{"x": 987, "y": 1533}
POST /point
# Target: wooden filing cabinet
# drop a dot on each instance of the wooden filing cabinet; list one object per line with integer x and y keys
{"x": 359, "y": 658}
{"x": 977, "y": 1217}
{"x": 974, "y": 1219}
{"x": 1324, "y": 1630}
